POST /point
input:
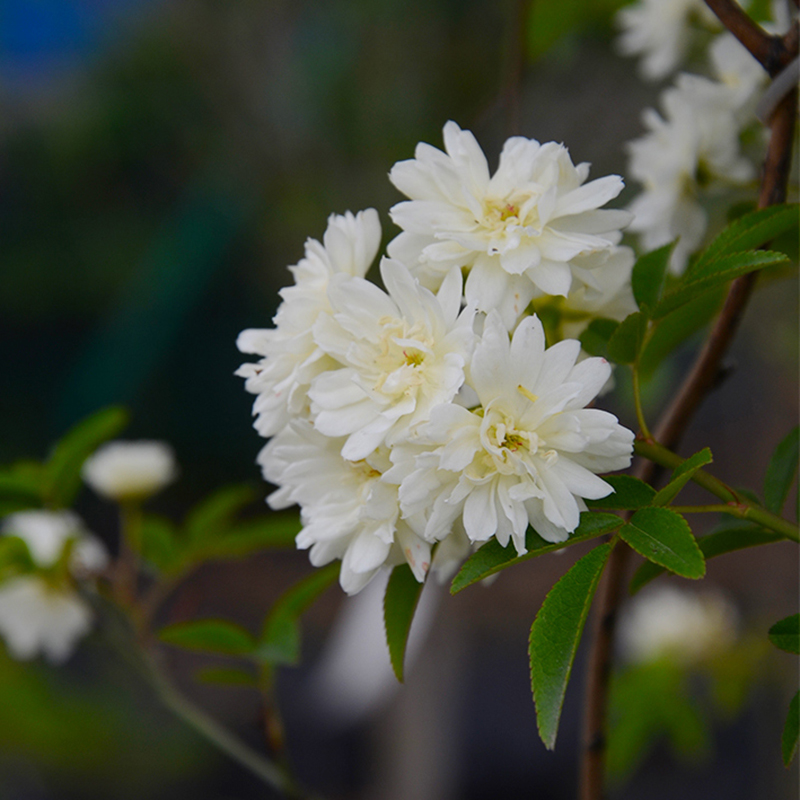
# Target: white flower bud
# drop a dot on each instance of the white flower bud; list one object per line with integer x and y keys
{"x": 130, "y": 470}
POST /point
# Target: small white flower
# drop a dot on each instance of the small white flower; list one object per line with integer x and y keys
{"x": 42, "y": 612}
{"x": 402, "y": 353}
{"x": 528, "y": 455}
{"x": 46, "y": 533}
{"x": 691, "y": 150}
{"x": 130, "y": 470}
{"x": 659, "y": 31}
{"x": 291, "y": 358}
{"x": 739, "y": 72}
{"x": 36, "y": 618}
{"x": 348, "y": 511}
{"x": 518, "y": 231}
{"x": 667, "y": 622}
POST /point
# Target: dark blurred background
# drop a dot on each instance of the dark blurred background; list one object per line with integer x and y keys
{"x": 161, "y": 163}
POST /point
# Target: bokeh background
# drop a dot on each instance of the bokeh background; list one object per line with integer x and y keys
{"x": 161, "y": 163}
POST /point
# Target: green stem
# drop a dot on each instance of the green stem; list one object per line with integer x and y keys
{"x": 660, "y": 455}
{"x": 118, "y": 635}
{"x": 734, "y": 505}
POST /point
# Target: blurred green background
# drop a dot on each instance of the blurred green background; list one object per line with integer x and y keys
{"x": 161, "y": 163}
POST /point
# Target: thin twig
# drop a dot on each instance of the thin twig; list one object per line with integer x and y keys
{"x": 698, "y": 383}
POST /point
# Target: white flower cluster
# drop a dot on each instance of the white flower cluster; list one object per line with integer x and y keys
{"x": 412, "y": 423}
{"x": 41, "y": 611}
{"x": 691, "y": 150}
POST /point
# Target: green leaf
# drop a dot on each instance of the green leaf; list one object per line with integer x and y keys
{"x": 716, "y": 273}
{"x": 781, "y": 471}
{"x": 214, "y": 515}
{"x": 681, "y": 476}
{"x": 625, "y": 344}
{"x": 791, "y": 730}
{"x": 594, "y": 339}
{"x": 209, "y": 635}
{"x": 555, "y": 635}
{"x": 270, "y": 532}
{"x": 647, "y": 280}
{"x": 492, "y": 557}
{"x": 732, "y": 537}
{"x": 399, "y": 604}
{"x": 15, "y": 558}
{"x": 629, "y": 493}
{"x": 63, "y": 468}
{"x": 664, "y": 537}
{"x": 160, "y": 544}
{"x": 226, "y": 676}
{"x": 785, "y": 634}
{"x": 21, "y": 488}
{"x": 747, "y": 233}
{"x": 678, "y": 326}
{"x": 279, "y": 642}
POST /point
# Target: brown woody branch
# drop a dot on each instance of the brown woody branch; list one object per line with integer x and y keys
{"x": 696, "y": 386}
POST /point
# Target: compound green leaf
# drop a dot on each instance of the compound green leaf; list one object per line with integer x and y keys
{"x": 269, "y": 532}
{"x": 160, "y": 544}
{"x": 678, "y": 326}
{"x": 625, "y": 344}
{"x": 785, "y": 634}
{"x": 399, "y": 604}
{"x": 664, "y": 537}
{"x": 594, "y": 339}
{"x": 747, "y": 233}
{"x": 492, "y": 557}
{"x": 647, "y": 280}
{"x": 715, "y": 274}
{"x": 737, "y": 536}
{"x": 209, "y": 635}
{"x": 781, "y": 471}
{"x": 555, "y": 635}
{"x": 279, "y": 642}
{"x": 681, "y": 476}
{"x": 214, "y": 515}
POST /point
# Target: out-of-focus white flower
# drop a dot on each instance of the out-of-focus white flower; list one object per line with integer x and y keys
{"x": 739, "y": 73}
{"x": 42, "y": 612}
{"x": 46, "y": 533}
{"x": 659, "y": 31}
{"x": 347, "y": 510}
{"x": 130, "y": 470}
{"x": 668, "y": 622}
{"x": 528, "y": 455}
{"x": 402, "y": 354}
{"x": 693, "y": 148}
{"x": 36, "y": 618}
{"x": 291, "y": 358}
{"x": 518, "y": 231}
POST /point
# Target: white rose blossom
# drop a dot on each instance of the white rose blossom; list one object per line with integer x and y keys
{"x": 402, "y": 353}
{"x": 693, "y": 147}
{"x": 527, "y": 456}
{"x": 659, "y": 31}
{"x": 520, "y": 231}
{"x": 347, "y": 510}
{"x": 291, "y": 358}
{"x": 123, "y": 470}
{"x": 41, "y": 613}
